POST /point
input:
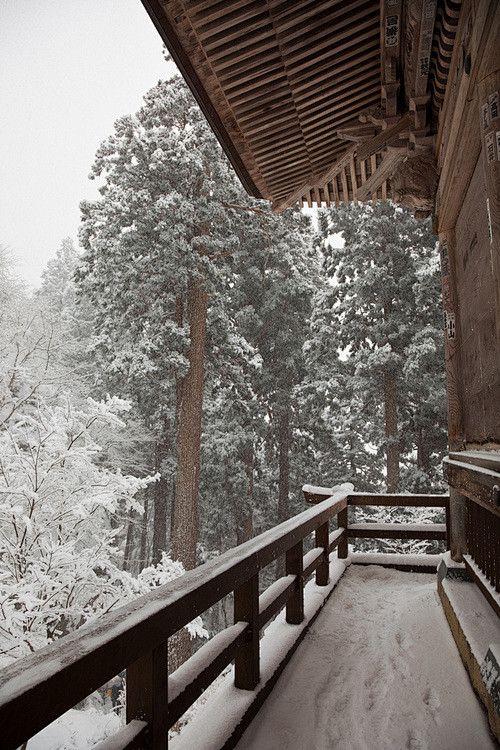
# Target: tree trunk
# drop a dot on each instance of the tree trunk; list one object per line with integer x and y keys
{"x": 284, "y": 464}
{"x": 423, "y": 457}
{"x": 160, "y": 519}
{"x": 144, "y": 554}
{"x": 185, "y": 531}
{"x": 187, "y": 480}
{"x": 391, "y": 432}
{"x": 248, "y": 458}
{"x": 129, "y": 543}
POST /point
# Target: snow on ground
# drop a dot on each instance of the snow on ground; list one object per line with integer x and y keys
{"x": 378, "y": 670}
{"x": 75, "y": 730}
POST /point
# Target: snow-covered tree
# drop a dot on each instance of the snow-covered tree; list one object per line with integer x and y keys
{"x": 382, "y": 308}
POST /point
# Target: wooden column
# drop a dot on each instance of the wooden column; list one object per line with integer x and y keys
{"x": 451, "y": 325}
{"x": 456, "y": 431}
{"x": 489, "y": 114}
{"x": 295, "y": 566}
{"x": 322, "y": 573}
{"x": 147, "y": 697}
{"x": 246, "y": 609}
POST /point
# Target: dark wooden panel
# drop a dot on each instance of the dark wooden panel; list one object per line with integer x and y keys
{"x": 399, "y": 500}
{"x": 322, "y": 540}
{"x": 387, "y": 531}
{"x": 294, "y": 560}
{"x": 246, "y": 608}
{"x": 147, "y": 697}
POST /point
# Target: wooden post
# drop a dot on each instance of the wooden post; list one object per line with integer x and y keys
{"x": 294, "y": 565}
{"x": 246, "y": 609}
{"x": 147, "y": 697}
{"x": 322, "y": 533}
{"x": 454, "y": 386}
{"x": 451, "y": 325}
{"x": 489, "y": 116}
{"x": 457, "y": 520}
{"x": 342, "y": 523}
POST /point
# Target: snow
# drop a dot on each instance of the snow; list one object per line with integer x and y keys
{"x": 378, "y": 669}
{"x": 334, "y": 535}
{"x": 383, "y": 558}
{"x": 327, "y": 491}
{"x": 76, "y": 730}
{"x": 273, "y": 591}
{"x": 478, "y": 621}
{"x": 312, "y": 556}
{"x": 189, "y": 671}
{"x": 450, "y": 562}
{"x": 123, "y": 738}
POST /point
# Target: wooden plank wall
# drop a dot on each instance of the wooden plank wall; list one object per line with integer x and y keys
{"x": 466, "y": 233}
{"x": 480, "y": 375}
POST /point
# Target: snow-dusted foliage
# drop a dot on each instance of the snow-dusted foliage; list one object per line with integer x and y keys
{"x": 62, "y": 502}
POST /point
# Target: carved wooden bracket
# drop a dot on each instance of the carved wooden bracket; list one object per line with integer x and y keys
{"x": 414, "y": 184}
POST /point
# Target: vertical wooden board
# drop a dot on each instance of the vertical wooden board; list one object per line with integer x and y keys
{"x": 481, "y": 377}
{"x": 295, "y": 566}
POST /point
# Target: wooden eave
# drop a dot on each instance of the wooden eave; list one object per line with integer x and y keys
{"x": 296, "y": 91}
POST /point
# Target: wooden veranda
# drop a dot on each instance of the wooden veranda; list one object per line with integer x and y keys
{"x": 322, "y": 102}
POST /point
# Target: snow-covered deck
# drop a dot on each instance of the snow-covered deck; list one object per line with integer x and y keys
{"x": 378, "y": 669}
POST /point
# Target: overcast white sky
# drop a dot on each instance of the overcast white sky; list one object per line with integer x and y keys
{"x": 68, "y": 70}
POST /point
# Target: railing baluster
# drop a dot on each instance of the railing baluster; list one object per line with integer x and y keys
{"x": 448, "y": 525}
{"x": 147, "y": 697}
{"x": 321, "y": 536}
{"x": 342, "y": 523}
{"x": 295, "y": 566}
{"x": 246, "y": 609}
{"x": 496, "y": 541}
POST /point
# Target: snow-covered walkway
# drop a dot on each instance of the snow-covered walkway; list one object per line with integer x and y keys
{"x": 379, "y": 670}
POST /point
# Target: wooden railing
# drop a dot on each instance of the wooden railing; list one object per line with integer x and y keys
{"x": 483, "y": 541}
{"x": 368, "y": 530}
{"x": 36, "y": 690}
{"x": 476, "y": 476}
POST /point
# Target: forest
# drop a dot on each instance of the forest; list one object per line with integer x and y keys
{"x": 177, "y": 378}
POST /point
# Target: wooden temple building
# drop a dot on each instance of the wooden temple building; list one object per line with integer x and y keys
{"x": 324, "y": 102}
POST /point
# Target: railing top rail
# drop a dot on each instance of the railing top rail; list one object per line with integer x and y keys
{"x": 403, "y": 499}
{"x": 78, "y": 664}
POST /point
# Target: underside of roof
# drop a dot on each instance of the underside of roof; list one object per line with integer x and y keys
{"x": 314, "y": 100}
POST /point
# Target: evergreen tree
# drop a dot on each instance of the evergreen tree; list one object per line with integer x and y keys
{"x": 161, "y": 247}
{"x": 381, "y": 312}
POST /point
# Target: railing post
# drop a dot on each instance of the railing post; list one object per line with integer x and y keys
{"x": 322, "y": 571}
{"x": 246, "y": 609}
{"x": 342, "y": 523}
{"x": 294, "y": 564}
{"x": 147, "y": 697}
